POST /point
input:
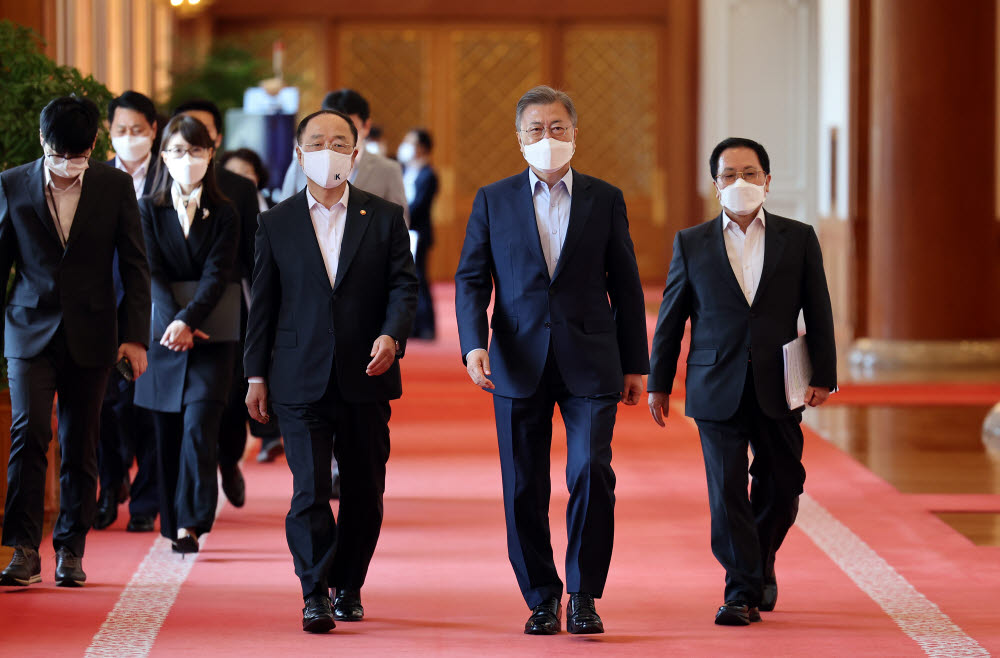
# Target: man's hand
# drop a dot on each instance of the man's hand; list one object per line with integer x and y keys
{"x": 659, "y": 406}
{"x": 179, "y": 337}
{"x": 633, "y": 389}
{"x": 477, "y": 364}
{"x": 816, "y": 396}
{"x": 257, "y": 402}
{"x": 136, "y": 355}
{"x": 383, "y": 353}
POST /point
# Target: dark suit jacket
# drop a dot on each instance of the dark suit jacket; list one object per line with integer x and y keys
{"x": 147, "y": 188}
{"x": 591, "y": 310}
{"x": 208, "y": 256}
{"x": 298, "y": 321}
{"x": 726, "y": 330}
{"x": 420, "y": 210}
{"x": 243, "y": 195}
{"x": 74, "y": 287}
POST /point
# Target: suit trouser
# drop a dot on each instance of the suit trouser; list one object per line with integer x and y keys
{"x": 423, "y": 323}
{"x": 747, "y": 531}
{"x": 328, "y": 552}
{"x": 127, "y": 432}
{"x": 186, "y": 452}
{"x": 233, "y": 431}
{"x": 524, "y": 433}
{"x": 33, "y": 383}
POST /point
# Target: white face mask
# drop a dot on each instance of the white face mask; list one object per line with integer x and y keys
{"x": 187, "y": 170}
{"x": 742, "y": 197}
{"x": 131, "y": 148}
{"x": 548, "y": 155}
{"x": 326, "y": 168}
{"x": 406, "y": 152}
{"x": 66, "y": 169}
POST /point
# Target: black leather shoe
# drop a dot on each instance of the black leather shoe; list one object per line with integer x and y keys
{"x": 270, "y": 449}
{"x": 581, "y": 615}
{"x": 107, "y": 509}
{"x": 769, "y": 597}
{"x": 545, "y": 619}
{"x": 186, "y": 544}
{"x": 737, "y": 613}
{"x": 24, "y": 569}
{"x": 317, "y": 616}
{"x": 69, "y": 569}
{"x": 140, "y": 523}
{"x": 233, "y": 484}
{"x": 347, "y": 605}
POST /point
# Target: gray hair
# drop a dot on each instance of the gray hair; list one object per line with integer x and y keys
{"x": 544, "y": 95}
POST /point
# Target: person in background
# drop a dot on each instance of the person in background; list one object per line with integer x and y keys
{"x": 62, "y": 219}
{"x": 421, "y": 185}
{"x": 376, "y": 142}
{"x": 192, "y": 234}
{"x": 127, "y": 430}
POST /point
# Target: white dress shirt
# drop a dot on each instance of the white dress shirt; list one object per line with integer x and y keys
{"x": 185, "y": 208}
{"x": 410, "y": 173}
{"x": 62, "y": 203}
{"x": 745, "y": 251}
{"x": 139, "y": 175}
{"x": 551, "y": 214}
{"x": 329, "y": 227}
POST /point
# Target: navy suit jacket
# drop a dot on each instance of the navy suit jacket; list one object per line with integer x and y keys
{"x": 74, "y": 287}
{"x": 726, "y": 331}
{"x": 147, "y": 188}
{"x": 591, "y": 310}
{"x": 426, "y": 186}
{"x": 298, "y": 321}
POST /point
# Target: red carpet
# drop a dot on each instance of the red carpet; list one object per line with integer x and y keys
{"x": 440, "y": 583}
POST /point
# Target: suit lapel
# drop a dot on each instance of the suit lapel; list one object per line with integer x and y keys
{"x": 774, "y": 245}
{"x": 89, "y": 195}
{"x": 173, "y": 237}
{"x": 355, "y": 224}
{"x": 301, "y": 223}
{"x": 524, "y": 215}
{"x": 718, "y": 240}
{"x": 579, "y": 212}
{"x": 199, "y": 231}
{"x": 34, "y": 182}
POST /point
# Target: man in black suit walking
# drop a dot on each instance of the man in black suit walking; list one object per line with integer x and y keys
{"x": 742, "y": 279}
{"x": 62, "y": 218}
{"x": 332, "y": 304}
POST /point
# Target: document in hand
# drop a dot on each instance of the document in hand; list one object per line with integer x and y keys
{"x": 798, "y": 372}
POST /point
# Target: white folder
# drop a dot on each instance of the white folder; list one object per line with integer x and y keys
{"x": 798, "y": 372}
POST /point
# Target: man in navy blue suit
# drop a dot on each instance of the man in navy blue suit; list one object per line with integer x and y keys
{"x": 742, "y": 279}
{"x": 569, "y": 328}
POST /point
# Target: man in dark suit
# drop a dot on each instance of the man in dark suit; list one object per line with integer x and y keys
{"x": 742, "y": 279}
{"x": 332, "y": 304}
{"x": 127, "y": 430}
{"x": 569, "y": 327}
{"x": 243, "y": 195}
{"x": 62, "y": 218}
{"x": 421, "y": 186}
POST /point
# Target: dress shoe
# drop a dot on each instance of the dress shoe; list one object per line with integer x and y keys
{"x": 24, "y": 569}
{"x": 545, "y": 619}
{"x": 581, "y": 615}
{"x": 270, "y": 449}
{"x": 187, "y": 542}
{"x": 347, "y": 605}
{"x": 69, "y": 569}
{"x": 317, "y": 616}
{"x": 141, "y": 523}
{"x": 769, "y": 597}
{"x": 737, "y": 613}
{"x": 335, "y": 488}
{"x": 107, "y": 509}
{"x": 233, "y": 484}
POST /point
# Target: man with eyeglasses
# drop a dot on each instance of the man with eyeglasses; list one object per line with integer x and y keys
{"x": 62, "y": 218}
{"x": 333, "y": 300}
{"x": 569, "y": 328}
{"x": 742, "y": 280}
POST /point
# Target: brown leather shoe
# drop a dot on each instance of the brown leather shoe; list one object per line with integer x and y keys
{"x": 69, "y": 569}
{"x": 25, "y": 568}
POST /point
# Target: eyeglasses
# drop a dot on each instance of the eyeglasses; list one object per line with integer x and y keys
{"x": 339, "y": 147}
{"x": 535, "y": 133}
{"x": 58, "y": 158}
{"x": 749, "y": 175}
{"x": 197, "y": 152}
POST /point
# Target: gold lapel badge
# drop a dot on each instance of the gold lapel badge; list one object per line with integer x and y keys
{"x": 363, "y": 212}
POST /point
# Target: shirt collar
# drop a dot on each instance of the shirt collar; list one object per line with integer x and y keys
{"x": 311, "y": 201}
{"x": 567, "y": 180}
{"x": 141, "y": 171}
{"x": 48, "y": 180}
{"x": 176, "y": 196}
{"x": 726, "y": 221}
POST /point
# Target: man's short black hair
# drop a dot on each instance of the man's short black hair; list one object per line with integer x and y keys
{"x": 133, "y": 100}
{"x": 250, "y": 157}
{"x": 738, "y": 142}
{"x": 424, "y": 138}
{"x": 69, "y": 124}
{"x": 202, "y": 105}
{"x": 348, "y": 102}
{"x": 302, "y": 124}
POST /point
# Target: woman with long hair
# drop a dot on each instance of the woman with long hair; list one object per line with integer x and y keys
{"x": 192, "y": 235}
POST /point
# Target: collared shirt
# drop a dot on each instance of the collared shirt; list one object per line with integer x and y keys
{"x": 139, "y": 175}
{"x": 185, "y": 211}
{"x": 745, "y": 251}
{"x": 551, "y": 214}
{"x": 62, "y": 203}
{"x": 410, "y": 173}
{"x": 329, "y": 227}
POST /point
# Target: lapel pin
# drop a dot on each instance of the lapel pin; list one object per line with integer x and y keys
{"x": 364, "y": 212}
